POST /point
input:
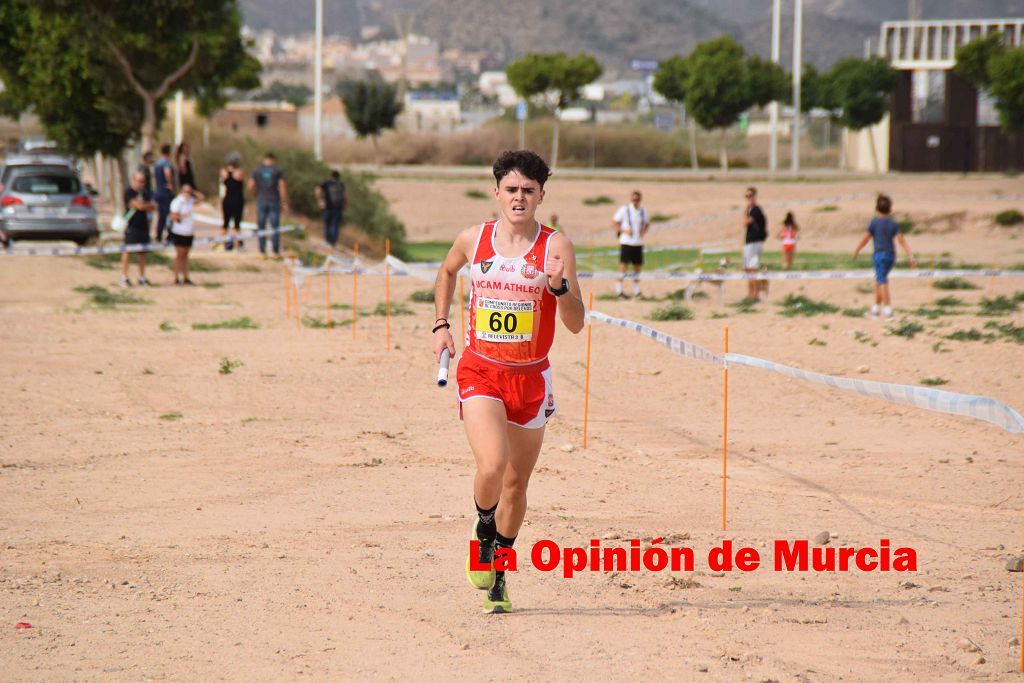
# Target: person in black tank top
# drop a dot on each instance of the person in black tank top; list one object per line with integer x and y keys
{"x": 232, "y": 205}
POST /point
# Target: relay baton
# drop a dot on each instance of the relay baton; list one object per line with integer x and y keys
{"x": 442, "y": 367}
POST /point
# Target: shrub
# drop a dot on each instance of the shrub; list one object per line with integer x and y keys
{"x": 396, "y": 309}
{"x": 104, "y": 298}
{"x": 245, "y": 323}
{"x": 227, "y": 366}
{"x": 476, "y": 194}
{"x": 970, "y": 335}
{"x": 934, "y": 381}
{"x": 953, "y": 283}
{"x": 672, "y": 312}
{"x": 798, "y": 304}
{"x": 598, "y": 200}
{"x": 1001, "y": 305}
{"x": 907, "y": 330}
{"x": 1008, "y": 218}
{"x": 1008, "y": 330}
{"x": 422, "y": 296}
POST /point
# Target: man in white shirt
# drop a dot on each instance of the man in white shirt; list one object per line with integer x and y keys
{"x": 631, "y": 223}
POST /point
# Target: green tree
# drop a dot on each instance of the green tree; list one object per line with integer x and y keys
{"x": 670, "y": 82}
{"x": 860, "y": 88}
{"x": 972, "y": 59}
{"x": 277, "y": 91}
{"x": 121, "y": 58}
{"x": 371, "y": 107}
{"x": 1006, "y": 83}
{"x": 991, "y": 66}
{"x": 717, "y": 92}
{"x": 554, "y": 77}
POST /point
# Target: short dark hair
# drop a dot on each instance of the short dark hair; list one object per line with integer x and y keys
{"x": 526, "y": 162}
{"x": 147, "y": 156}
{"x": 165, "y": 149}
{"x": 270, "y": 155}
{"x": 883, "y": 204}
{"x": 335, "y": 175}
{"x": 752, "y": 190}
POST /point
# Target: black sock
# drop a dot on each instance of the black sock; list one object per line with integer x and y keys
{"x": 502, "y": 542}
{"x": 487, "y": 528}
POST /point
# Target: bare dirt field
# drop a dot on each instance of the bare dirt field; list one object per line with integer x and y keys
{"x": 306, "y": 513}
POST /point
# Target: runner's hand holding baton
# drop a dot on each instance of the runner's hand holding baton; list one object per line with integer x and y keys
{"x": 444, "y": 349}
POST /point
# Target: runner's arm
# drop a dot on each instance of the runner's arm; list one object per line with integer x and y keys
{"x": 562, "y": 264}
{"x": 444, "y": 288}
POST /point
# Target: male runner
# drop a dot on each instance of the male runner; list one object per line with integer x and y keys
{"x": 522, "y": 275}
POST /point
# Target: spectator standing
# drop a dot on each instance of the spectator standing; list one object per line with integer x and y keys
{"x": 182, "y": 233}
{"x": 146, "y": 168}
{"x": 789, "y": 234}
{"x": 163, "y": 189}
{"x": 232, "y": 204}
{"x": 884, "y": 231}
{"x": 183, "y": 165}
{"x": 631, "y": 223}
{"x": 331, "y": 197}
{"x": 755, "y": 233}
{"x": 138, "y": 202}
{"x": 271, "y": 190}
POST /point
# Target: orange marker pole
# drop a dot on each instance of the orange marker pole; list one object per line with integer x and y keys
{"x": 387, "y": 296}
{"x": 287, "y": 293}
{"x": 295, "y": 302}
{"x": 1022, "y": 623}
{"x": 462, "y": 310}
{"x": 355, "y": 285}
{"x": 327, "y": 294}
{"x": 586, "y": 380}
{"x": 725, "y": 425}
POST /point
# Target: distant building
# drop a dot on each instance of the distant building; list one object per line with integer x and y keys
{"x": 256, "y": 117}
{"x": 431, "y": 112}
{"x": 937, "y": 121}
{"x": 333, "y": 124}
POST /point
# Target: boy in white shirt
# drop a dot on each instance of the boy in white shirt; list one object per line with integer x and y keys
{"x": 631, "y": 223}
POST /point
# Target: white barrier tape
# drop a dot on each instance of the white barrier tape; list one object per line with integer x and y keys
{"x": 134, "y": 248}
{"x": 966, "y": 405}
{"x": 210, "y": 220}
{"x": 978, "y": 407}
{"x": 680, "y": 346}
{"x": 803, "y": 275}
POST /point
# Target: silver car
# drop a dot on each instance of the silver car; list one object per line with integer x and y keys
{"x": 45, "y": 199}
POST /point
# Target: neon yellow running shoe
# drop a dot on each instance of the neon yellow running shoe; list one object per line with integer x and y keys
{"x": 481, "y": 579}
{"x": 497, "y": 601}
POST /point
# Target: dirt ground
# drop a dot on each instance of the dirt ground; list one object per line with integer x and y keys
{"x": 307, "y": 513}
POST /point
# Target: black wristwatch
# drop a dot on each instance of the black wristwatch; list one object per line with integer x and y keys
{"x": 561, "y": 290}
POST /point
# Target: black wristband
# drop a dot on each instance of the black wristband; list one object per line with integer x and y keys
{"x": 444, "y": 324}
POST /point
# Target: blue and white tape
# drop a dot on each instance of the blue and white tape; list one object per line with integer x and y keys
{"x": 965, "y": 405}
{"x": 134, "y": 248}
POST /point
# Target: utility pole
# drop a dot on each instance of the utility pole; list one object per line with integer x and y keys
{"x": 179, "y": 117}
{"x": 773, "y": 151}
{"x": 798, "y": 38}
{"x": 318, "y": 83}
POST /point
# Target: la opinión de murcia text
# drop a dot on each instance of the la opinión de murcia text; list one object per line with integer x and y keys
{"x": 788, "y": 556}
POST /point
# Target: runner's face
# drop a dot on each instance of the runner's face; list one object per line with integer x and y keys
{"x": 519, "y": 198}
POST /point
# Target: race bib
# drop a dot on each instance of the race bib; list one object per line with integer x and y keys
{"x": 504, "y": 321}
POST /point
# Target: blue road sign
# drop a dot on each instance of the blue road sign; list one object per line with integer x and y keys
{"x": 520, "y": 111}
{"x": 643, "y": 65}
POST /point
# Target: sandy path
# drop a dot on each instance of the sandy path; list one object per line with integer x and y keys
{"x": 307, "y": 514}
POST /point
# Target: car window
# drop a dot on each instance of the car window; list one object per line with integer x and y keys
{"x": 49, "y": 183}
{"x": 32, "y": 169}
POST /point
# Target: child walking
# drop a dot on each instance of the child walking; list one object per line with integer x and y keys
{"x": 788, "y": 234}
{"x": 884, "y": 231}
